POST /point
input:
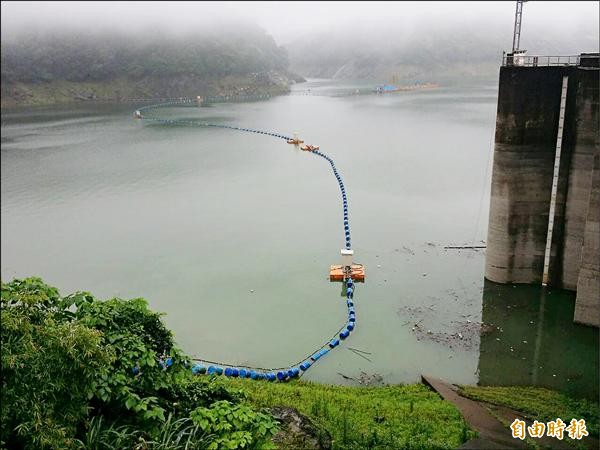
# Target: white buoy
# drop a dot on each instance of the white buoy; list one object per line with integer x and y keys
{"x": 347, "y": 257}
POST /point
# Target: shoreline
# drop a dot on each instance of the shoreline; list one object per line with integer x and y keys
{"x": 124, "y": 90}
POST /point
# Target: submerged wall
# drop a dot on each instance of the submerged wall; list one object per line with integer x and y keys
{"x": 524, "y": 155}
{"x": 587, "y": 306}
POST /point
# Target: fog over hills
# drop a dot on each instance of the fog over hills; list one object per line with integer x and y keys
{"x": 59, "y": 51}
{"x": 429, "y": 50}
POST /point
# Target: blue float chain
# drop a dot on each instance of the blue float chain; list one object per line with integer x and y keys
{"x": 295, "y": 370}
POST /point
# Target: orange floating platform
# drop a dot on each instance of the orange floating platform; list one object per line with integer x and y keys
{"x": 336, "y": 273}
{"x": 295, "y": 141}
{"x": 310, "y": 148}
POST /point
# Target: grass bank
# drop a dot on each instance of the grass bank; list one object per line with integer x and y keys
{"x": 539, "y": 404}
{"x": 401, "y": 416}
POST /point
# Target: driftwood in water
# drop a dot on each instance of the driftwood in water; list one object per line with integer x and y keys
{"x": 459, "y": 247}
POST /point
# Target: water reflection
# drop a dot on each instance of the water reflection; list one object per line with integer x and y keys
{"x": 529, "y": 338}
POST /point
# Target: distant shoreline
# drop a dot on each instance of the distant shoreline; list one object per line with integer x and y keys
{"x": 124, "y": 90}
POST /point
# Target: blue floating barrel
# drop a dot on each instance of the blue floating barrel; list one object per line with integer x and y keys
{"x": 334, "y": 342}
{"x": 350, "y": 326}
{"x": 253, "y": 375}
{"x": 243, "y": 373}
{"x": 271, "y": 376}
{"x": 290, "y": 373}
{"x": 305, "y": 365}
{"x": 228, "y": 372}
{"x": 211, "y": 370}
{"x": 351, "y": 310}
{"x": 235, "y": 372}
{"x": 281, "y": 376}
{"x": 198, "y": 368}
{"x": 295, "y": 372}
{"x": 349, "y": 290}
{"x": 344, "y": 334}
{"x": 324, "y": 351}
{"x": 219, "y": 371}
{"x": 351, "y": 319}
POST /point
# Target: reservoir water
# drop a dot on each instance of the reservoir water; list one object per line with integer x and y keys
{"x": 231, "y": 234}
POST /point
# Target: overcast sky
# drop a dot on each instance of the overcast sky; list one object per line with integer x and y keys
{"x": 288, "y": 21}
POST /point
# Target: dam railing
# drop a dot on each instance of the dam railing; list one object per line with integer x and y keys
{"x": 509, "y": 59}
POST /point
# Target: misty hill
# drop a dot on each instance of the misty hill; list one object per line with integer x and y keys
{"x": 62, "y": 66}
{"x": 409, "y": 53}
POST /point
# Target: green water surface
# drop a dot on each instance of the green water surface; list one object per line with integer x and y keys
{"x": 232, "y": 234}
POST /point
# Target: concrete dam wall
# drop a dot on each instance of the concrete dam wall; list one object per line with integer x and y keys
{"x": 522, "y": 209}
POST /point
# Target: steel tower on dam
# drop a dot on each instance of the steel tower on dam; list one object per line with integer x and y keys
{"x": 544, "y": 223}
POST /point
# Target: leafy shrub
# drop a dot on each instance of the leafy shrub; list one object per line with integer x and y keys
{"x": 140, "y": 341}
{"x": 83, "y": 373}
{"x": 234, "y": 426}
{"x": 183, "y": 397}
{"x": 49, "y": 367}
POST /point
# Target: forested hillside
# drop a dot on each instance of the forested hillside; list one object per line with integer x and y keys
{"x": 65, "y": 65}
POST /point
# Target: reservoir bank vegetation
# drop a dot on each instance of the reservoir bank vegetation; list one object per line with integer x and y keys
{"x": 84, "y": 373}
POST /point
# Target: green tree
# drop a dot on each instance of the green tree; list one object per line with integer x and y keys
{"x": 82, "y": 373}
{"x": 49, "y": 367}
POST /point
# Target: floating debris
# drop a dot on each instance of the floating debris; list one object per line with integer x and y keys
{"x": 369, "y": 380}
{"x": 408, "y": 250}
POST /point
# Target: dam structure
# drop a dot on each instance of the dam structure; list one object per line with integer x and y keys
{"x": 544, "y": 222}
